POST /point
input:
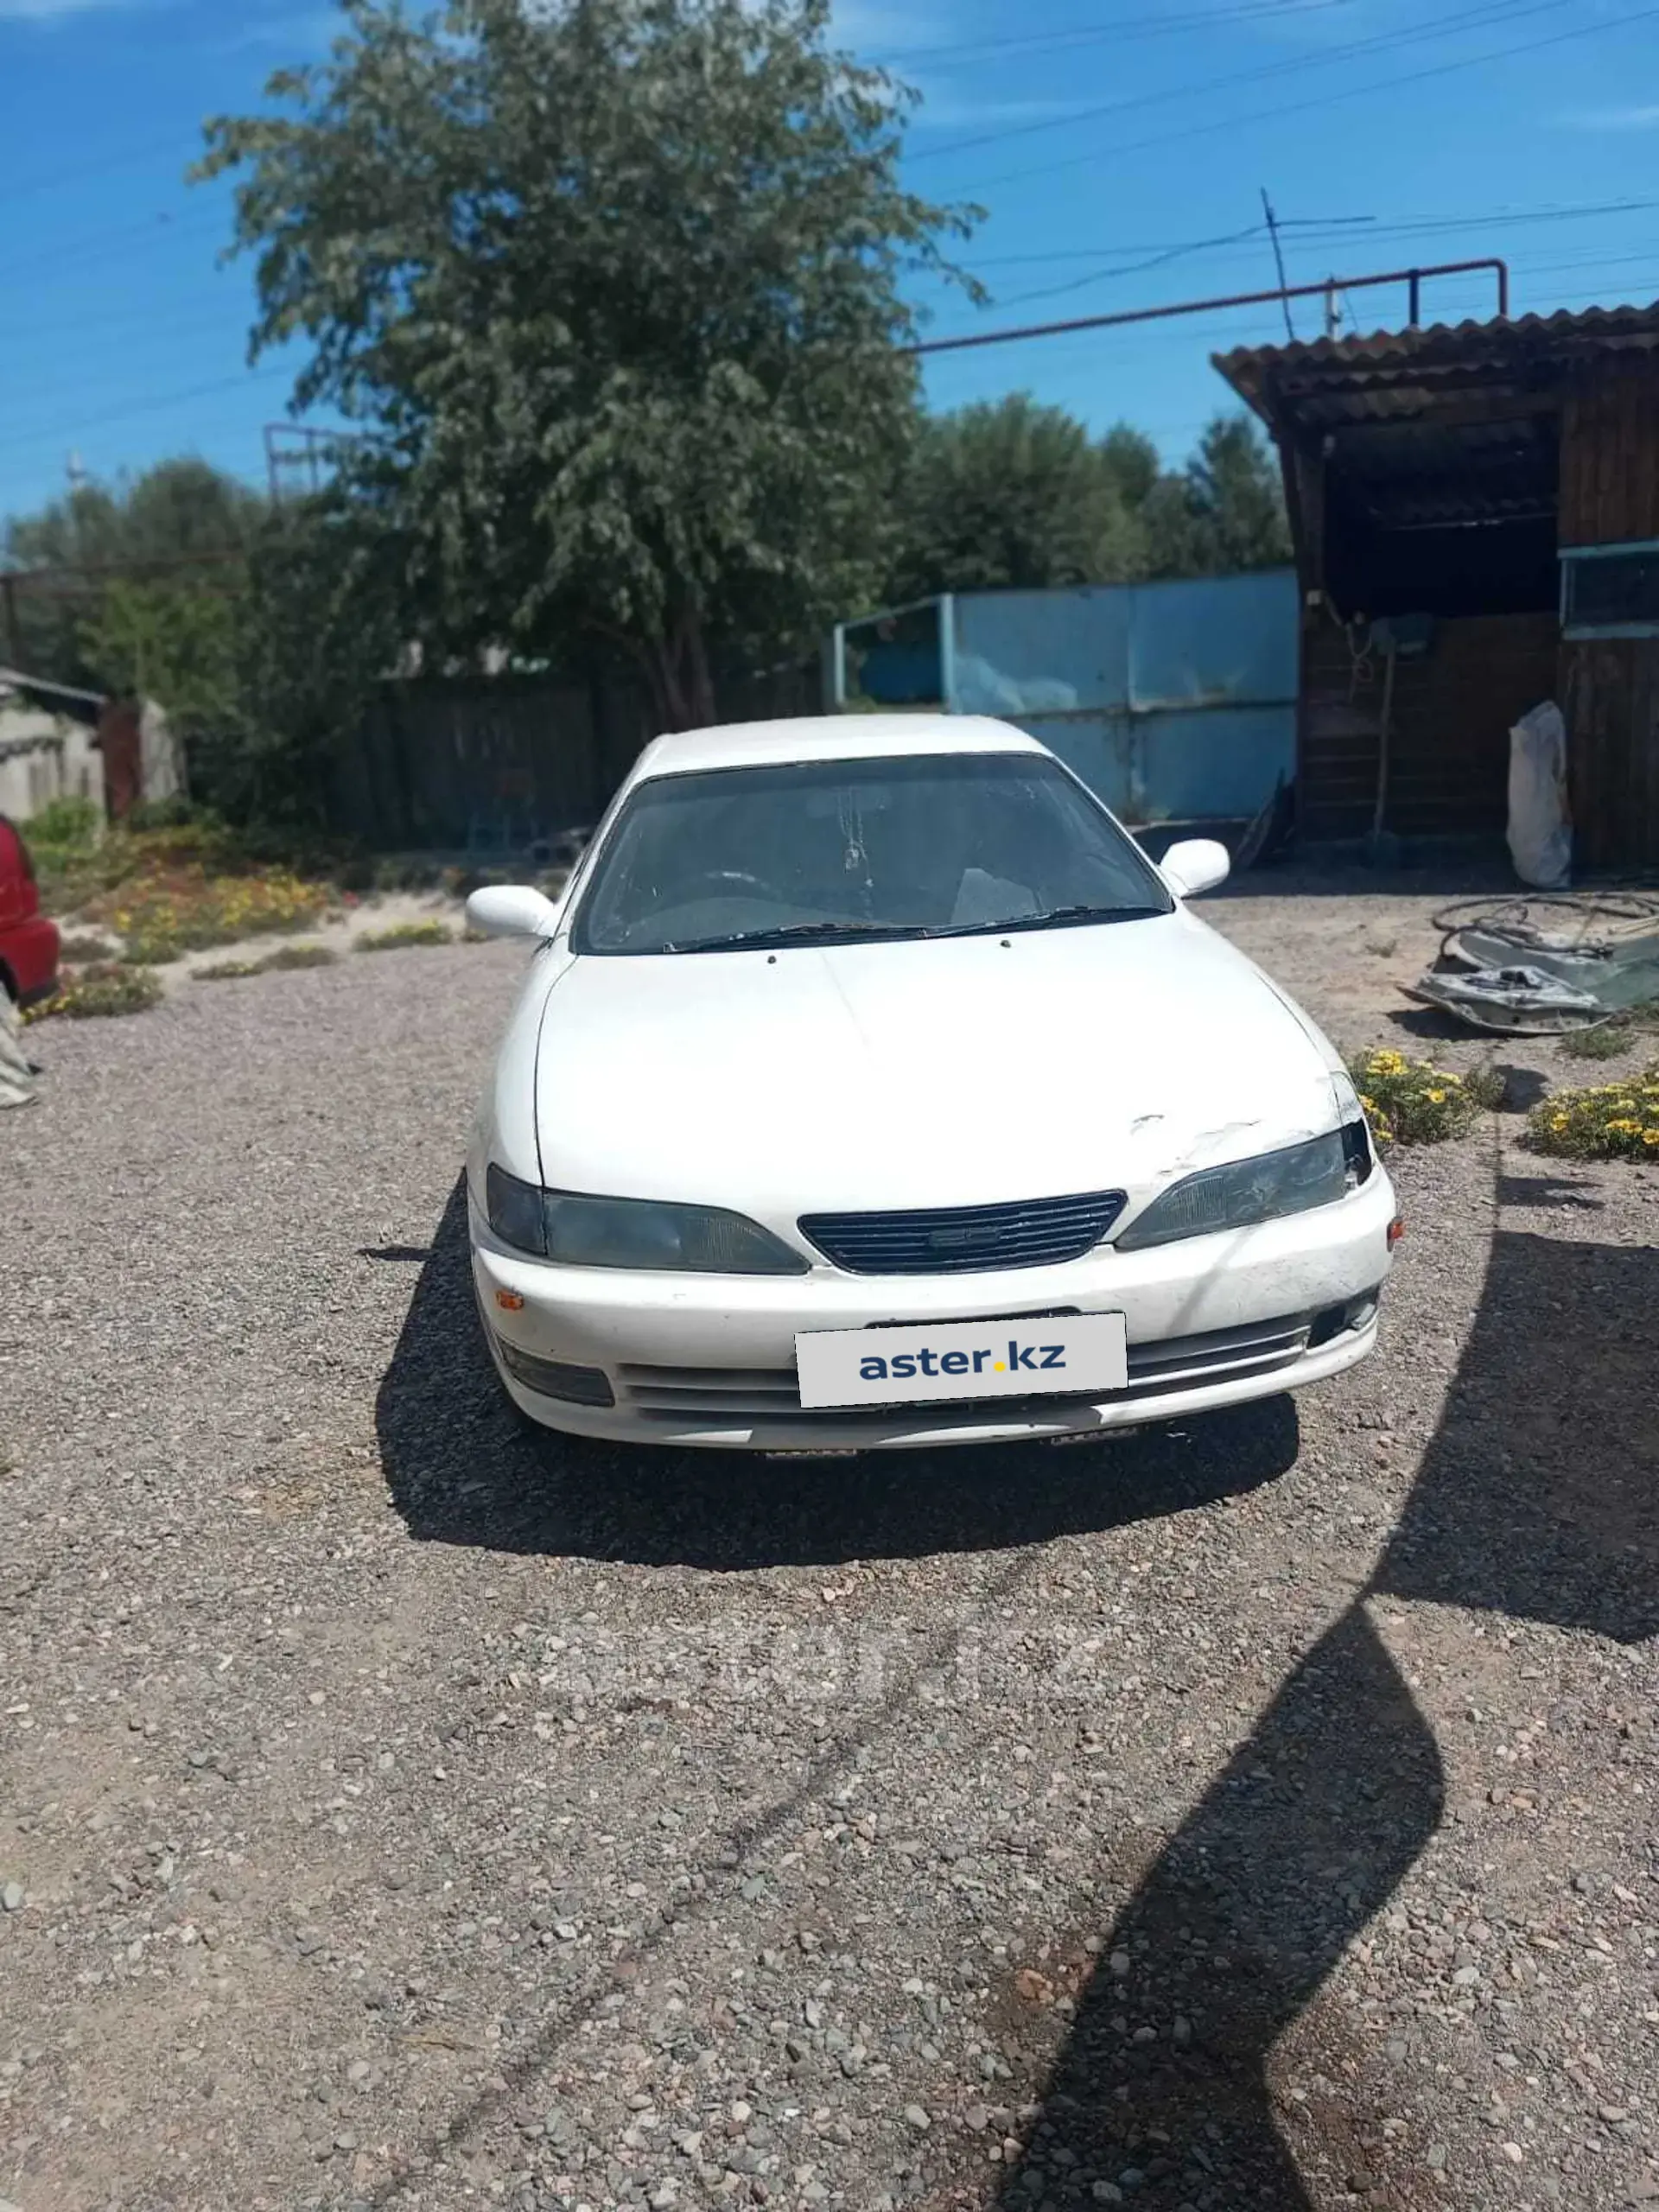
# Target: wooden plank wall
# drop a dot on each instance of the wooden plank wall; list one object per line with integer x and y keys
{"x": 1608, "y": 687}
{"x": 1450, "y": 745}
{"x": 1610, "y": 451}
{"x": 1610, "y": 697}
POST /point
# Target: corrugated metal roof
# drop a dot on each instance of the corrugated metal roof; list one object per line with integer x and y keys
{"x": 1454, "y": 422}
{"x": 1466, "y": 346}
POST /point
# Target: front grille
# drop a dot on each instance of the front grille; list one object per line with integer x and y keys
{"x": 681, "y": 1396}
{"x": 965, "y": 1240}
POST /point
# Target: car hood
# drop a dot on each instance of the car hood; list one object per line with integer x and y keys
{"x": 953, "y": 1071}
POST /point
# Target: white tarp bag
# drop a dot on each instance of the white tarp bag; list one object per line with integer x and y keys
{"x": 17, "y": 1075}
{"x": 1540, "y": 827}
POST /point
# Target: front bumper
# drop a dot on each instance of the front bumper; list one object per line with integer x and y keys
{"x": 710, "y": 1361}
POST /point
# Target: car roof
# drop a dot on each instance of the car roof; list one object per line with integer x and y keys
{"x": 827, "y": 737}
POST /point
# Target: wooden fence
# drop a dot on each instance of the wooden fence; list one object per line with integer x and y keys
{"x": 494, "y": 765}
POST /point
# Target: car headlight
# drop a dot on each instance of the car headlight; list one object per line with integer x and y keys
{"x": 1247, "y": 1192}
{"x": 587, "y": 1233}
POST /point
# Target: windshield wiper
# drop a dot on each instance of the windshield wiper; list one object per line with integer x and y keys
{"x": 794, "y": 933}
{"x": 1056, "y": 918}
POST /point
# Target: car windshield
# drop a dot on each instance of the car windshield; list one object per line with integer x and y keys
{"x": 819, "y": 851}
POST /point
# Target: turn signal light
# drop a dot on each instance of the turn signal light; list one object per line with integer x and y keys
{"x": 511, "y": 1302}
{"x": 1396, "y": 1231}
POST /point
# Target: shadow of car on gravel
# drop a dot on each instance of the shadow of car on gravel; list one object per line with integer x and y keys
{"x": 462, "y": 1469}
{"x": 1537, "y": 1500}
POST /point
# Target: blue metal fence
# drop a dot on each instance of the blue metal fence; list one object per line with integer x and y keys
{"x": 1176, "y": 702}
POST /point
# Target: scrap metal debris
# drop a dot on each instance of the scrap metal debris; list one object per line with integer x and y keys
{"x": 1504, "y": 968}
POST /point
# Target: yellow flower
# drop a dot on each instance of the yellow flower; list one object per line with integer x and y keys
{"x": 1437, "y": 1098}
{"x": 1650, "y": 1136}
{"x": 1558, "y": 1121}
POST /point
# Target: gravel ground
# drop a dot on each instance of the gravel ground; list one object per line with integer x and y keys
{"x": 395, "y": 1811}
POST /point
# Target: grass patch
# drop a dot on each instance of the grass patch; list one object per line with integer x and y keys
{"x": 77, "y": 947}
{"x": 404, "y": 934}
{"x": 269, "y": 963}
{"x": 298, "y": 955}
{"x": 1604, "y": 1121}
{"x": 108, "y": 987}
{"x": 1413, "y": 1101}
{"x": 1609, "y": 1038}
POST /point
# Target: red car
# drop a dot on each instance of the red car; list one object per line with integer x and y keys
{"x": 28, "y": 943}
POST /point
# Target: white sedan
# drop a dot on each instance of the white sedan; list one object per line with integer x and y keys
{"x": 870, "y": 1086}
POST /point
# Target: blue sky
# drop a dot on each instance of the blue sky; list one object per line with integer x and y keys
{"x": 1119, "y": 145}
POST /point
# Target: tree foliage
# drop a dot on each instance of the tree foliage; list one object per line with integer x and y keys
{"x": 1012, "y": 495}
{"x": 162, "y": 534}
{"x": 179, "y": 510}
{"x": 1224, "y": 511}
{"x": 262, "y": 635}
{"x": 617, "y": 283}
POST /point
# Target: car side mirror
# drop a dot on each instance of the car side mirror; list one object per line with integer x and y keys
{"x": 511, "y": 910}
{"x": 1196, "y": 864}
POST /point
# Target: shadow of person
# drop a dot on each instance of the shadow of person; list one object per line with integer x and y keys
{"x": 1537, "y": 1500}
{"x": 1160, "y": 2088}
{"x": 461, "y": 1469}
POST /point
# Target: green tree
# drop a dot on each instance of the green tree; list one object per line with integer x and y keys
{"x": 1009, "y": 495}
{"x": 166, "y": 529}
{"x": 179, "y": 510}
{"x": 617, "y": 283}
{"x": 175, "y": 643}
{"x": 1131, "y": 463}
{"x": 1224, "y": 512}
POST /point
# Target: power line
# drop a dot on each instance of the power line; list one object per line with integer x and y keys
{"x": 1208, "y": 246}
{"x": 35, "y": 439}
{"x": 1477, "y": 18}
{"x": 60, "y": 180}
{"x": 1325, "y": 99}
{"x": 1373, "y": 226}
{"x": 1121, "y": 27}
{"x": 73, "y": 251}
{"x": 1132, "y": 269}
{"x": 1184, "y": 245}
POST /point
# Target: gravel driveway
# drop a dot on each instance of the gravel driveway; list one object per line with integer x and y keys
{"x": 396, "y": 1812}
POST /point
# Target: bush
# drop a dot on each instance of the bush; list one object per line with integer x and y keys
{"x": 403, "y": 934}
{"x": 1413, "y": 1101}
{"x": 107, "y": 989}
{"x": 271, "y": 963}
{"x": 1604, "y": 1042}
{"x": 76, "y": 948}
{"x": 66, "y": 824}
{"x": 1609, "y": 1120}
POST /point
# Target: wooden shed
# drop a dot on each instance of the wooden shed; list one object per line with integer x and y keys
{"x": 1476, "y": 517}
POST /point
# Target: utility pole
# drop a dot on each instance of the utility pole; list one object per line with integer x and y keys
{"x": 1279, "y": 261}
{"x": 1332, "y": 312}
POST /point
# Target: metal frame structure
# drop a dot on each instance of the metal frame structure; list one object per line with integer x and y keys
{"x": 1328, "y": 287}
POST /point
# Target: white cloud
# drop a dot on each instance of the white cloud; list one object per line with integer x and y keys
{"x": 886, "y": 27}
{"x": 310, "y": 32}
{"x": 954, "y": 109}
{"x": 1614, "y": 118}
